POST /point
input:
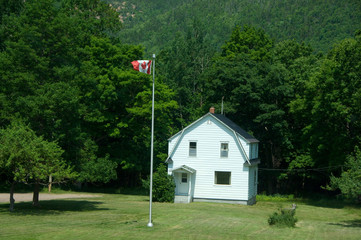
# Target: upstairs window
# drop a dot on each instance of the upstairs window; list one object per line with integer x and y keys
{"x": 224, "y": 150}
{"x": 192, "y": 149}
{"x": 222, "y": 178}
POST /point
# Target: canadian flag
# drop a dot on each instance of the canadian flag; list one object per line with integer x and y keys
{"x": 142, "y": 66}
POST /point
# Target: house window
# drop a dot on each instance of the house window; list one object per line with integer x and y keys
{"x": 184, "y": 177}
{"x": 223, "y": 178}
{"x": 224, "y": 149}
{"x": 192, "y": 149}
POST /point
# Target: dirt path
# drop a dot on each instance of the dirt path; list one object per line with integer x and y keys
{"x": 28, "y": 197}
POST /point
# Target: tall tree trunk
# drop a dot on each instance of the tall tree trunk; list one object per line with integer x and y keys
{"x": 36, "y": 195}
{"x": 12, "y": 199}
{"x": 50, "y": 183}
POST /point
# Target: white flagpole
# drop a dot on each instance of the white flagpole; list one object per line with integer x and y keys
{"x": 150, "y": 224}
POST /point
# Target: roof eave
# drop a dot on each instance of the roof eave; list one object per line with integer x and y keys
{"x": 253, "y": 162}
{"x": 199, "y": 119}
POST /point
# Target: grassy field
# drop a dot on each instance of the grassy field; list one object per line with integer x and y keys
{"x": 120, "y": 216}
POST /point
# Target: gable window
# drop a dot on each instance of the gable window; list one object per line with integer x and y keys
{"x": 192, "y": 149}
{"x": 224, "y": 150}
{"x": 222, "y": 178}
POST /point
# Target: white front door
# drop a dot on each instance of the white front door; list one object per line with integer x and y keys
{"x": 183, "y": 183}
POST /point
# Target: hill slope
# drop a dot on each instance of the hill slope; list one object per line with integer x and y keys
{"x": 320, "y": 23}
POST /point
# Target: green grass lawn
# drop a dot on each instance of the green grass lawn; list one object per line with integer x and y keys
{"x": 119, "y": 216}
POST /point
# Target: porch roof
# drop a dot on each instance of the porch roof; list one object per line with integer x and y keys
{"x": 184, "y": 168}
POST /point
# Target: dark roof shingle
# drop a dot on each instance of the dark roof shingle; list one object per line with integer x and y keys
{"x": 235, "y": 127}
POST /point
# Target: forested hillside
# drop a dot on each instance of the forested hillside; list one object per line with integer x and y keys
{"x": 67, "y": 86}
{"x": 319, "y": 23}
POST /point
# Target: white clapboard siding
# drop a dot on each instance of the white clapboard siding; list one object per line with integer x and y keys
{"x": 209, "y": 133}
{"x": 251, "y": 191}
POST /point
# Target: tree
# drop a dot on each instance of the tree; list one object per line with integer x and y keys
{"x": 330, "y": 105}
{"x": 249, "y": 40}
{"x": 350, "y": 180}
{"x": 163, "y": 185}
{"x": 256, "y": 91}
{"x": 181, "y": 65}
{"x": 25, "y": 157}
{"x": 63, "y": 72}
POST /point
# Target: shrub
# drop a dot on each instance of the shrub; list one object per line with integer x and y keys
{"x": 283, "y": 218}
{"x": 349, "y": 182}
{"x": 163, "y": 185}
{"x": 275, "y": 197}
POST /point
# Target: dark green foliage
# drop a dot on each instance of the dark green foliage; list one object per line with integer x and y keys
{"x": 65, "y": 71}
{"x": 163, "y": 185}
{"x": 283, "y": 218}
{"x": 26, "y": 157}
{"x": 251, "y": 41}
{"x": 329, "y": 109}
{"x": 257, "y": 88}
{"x": 65, "y": 75}
{"x": 182, "y": 64}
{"x": 350, "y": 180}
{"x": 319, "y": 23}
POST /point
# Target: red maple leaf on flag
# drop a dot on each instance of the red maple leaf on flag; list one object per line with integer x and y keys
{"x": 142, "y": 66}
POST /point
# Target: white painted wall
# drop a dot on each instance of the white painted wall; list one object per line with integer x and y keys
{"x": 209, "y": 133}
{"x": 253, "y": 179}
{"x": 172, "y": 142}
{"x": 253, "y": 150}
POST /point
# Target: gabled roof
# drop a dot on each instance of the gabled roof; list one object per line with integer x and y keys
{"x": 235, "y": 127}
{"x": 228, "y": 123}
{"x": 184, "y": 168}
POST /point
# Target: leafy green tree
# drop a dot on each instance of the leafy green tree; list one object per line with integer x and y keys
{"x": 118, "y": 105}
{"x": 163, "y": 185}
{"x": 301, "y": 20}
{"x": 249, "y": 40}
{"x": 66, "y": 75}
{"x": 350, "y": 180}
{"x": 256, "y": 91}
{"x": 258, "y": 79}
{"x": 25, "y": 157}
{"x": 43, "y": 55}
{"x": 181, "y": 65}
{"x": 330, "y": 106}
{"x": 300, "y": 64}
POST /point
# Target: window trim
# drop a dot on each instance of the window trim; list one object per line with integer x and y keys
{"x": 194, "y": 152}
{"x": 222, "y": 151}
{"x": 223, "y": 184}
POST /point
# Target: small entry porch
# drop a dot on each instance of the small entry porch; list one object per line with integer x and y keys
{"x": 184, "y": 181}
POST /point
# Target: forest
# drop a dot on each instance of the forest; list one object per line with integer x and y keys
{"x": 72, "y": 107}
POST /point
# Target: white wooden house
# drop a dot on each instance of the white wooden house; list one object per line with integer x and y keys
{"x": 213, "y": 159}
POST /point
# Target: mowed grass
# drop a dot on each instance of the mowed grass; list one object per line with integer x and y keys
{"x": 119, "y": 216}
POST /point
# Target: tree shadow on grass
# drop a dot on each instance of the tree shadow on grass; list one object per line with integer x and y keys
{"x": 53, "y": 207}
{"x": 325, "y": 203}
{"x": 330, "y": 203}
{"x": 356, "y": 223}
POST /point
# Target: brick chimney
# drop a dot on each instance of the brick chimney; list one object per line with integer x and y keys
{"x": 211, "y": 110}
